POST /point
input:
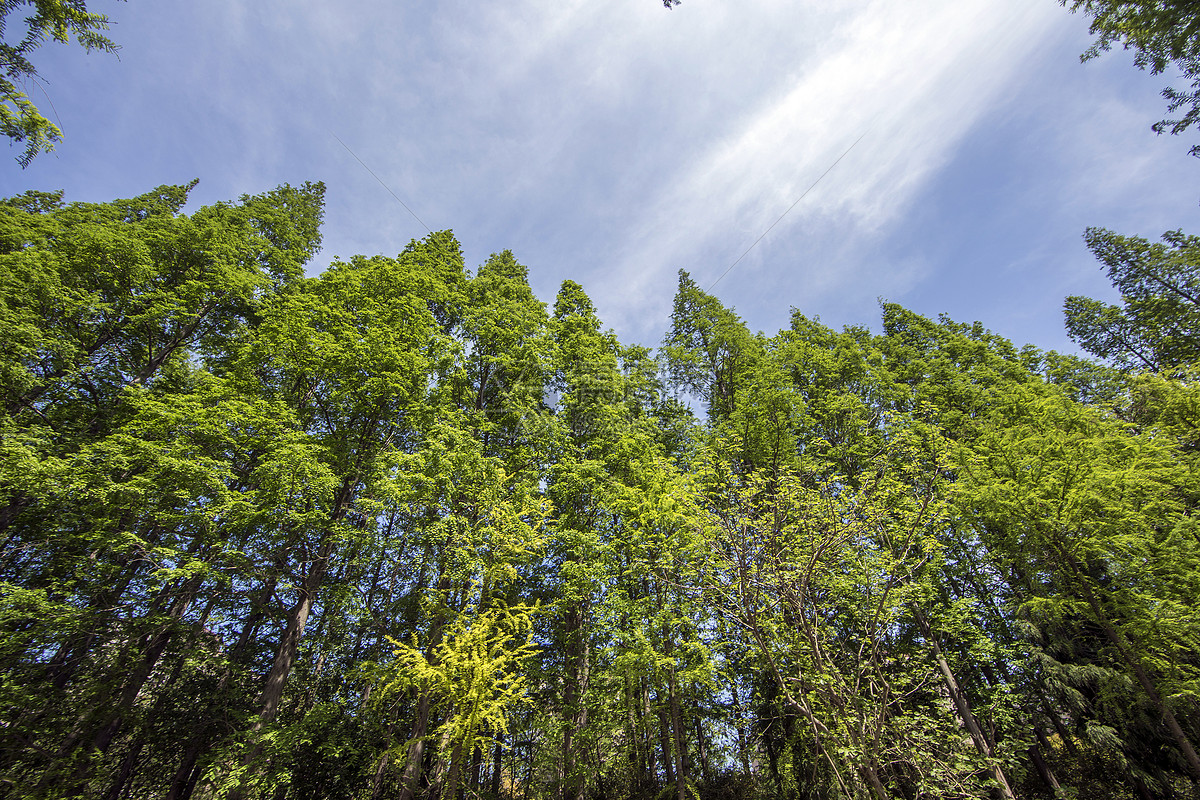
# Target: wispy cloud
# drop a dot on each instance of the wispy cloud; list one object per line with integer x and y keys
{"x": 914, "y": 76}
{"x": 615, "y": 142}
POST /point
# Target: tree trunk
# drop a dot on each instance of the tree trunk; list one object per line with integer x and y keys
{"x": 411, "y": 777}
{"x": 1043, "y": 769}
{"x": 664, "y": 738}
{"x": 289, "y": 645}
{"x": 497, "y": 755}
{"x": 185, "y": 777}
{"x": 476, "y": 769}
{"x": 152, "y": 645}
{"x": 701, "y": 747}
{"x": 574, "y": 700}
{"x": 743, "y": 744}
{"x": 963, "y": 707}
{"x": 416, "y": 750}
{"x": 450, "y": 788}
{"x": 681, "y": 765}
{"x": 637, "y": 761}
{"x": 126, "y": 770}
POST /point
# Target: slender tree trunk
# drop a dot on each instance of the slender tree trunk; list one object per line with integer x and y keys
{"x": 963, "y": 707}
{"x": 184, "y": 781}
{"x": 681, "y": 765}
{"x": 152, "y": 645}
{"x": 130, "y": 762}
{"x": 637, "y": 760}
{"x": 1043, "y": 769}
{"x": 384, "y": 759}
{"x": 1063, "y": 734}
{"x": 664, "y": 737}
{"x": 411, "y": 777}
{"x": 497, "y": 764}
{"x": 289, "y": 646}
{"x": 743, "y": 744}
{"x": 438, "y": 774}
{"x": 1143, "y": 677}
{"x": 647, "y": 731}
{"x": 145, "y": 666}
{"x": 872, "y": 777}
{"x": 476, "y": 771}
{"x": 574, "y": 700}
{"x": 450, "y": 788}
{"x": 185, "y": 777}
{"x": 702, "y": 747}
{"x": 126, "y": 770}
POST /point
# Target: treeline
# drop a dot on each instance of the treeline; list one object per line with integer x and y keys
{"x": 400, "y": 530}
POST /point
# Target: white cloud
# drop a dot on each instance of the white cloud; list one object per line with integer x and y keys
{"x": 915, "y": 77}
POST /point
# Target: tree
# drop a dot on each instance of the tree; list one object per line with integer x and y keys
{"x": 1084, "y": 514}
{"x": 20, "y": 119}
{"x": 1157, "y": 327}
{"x": 1162, "y": 33}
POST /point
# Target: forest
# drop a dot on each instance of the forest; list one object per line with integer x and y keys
{"x": 403, "y": 530}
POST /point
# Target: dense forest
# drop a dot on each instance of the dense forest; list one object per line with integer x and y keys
{"x": 403, "y": 530}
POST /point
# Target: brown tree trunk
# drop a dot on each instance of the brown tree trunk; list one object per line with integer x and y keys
{"x": 152, "y": 645}
{"x": 185, "y": 777}
{"x": 289, "y": 645}
{"x": 574, "y": 700}
{"x": 450, "y": 788}
{"x": 701, "y": 747}
{"x": 637, "y": 761}
{"x": 497, "y": 764}
{"x": 126, "y": 770}
{"x": 872, "y": 778}
{"x": 1043, "y": 769}
{"x": 743, "y": 744}
{"x": 438, "y": 775}
{"x": 664, "y": 738}
{"x": 963, "y": 707}
{"x": 681, "y": 765}
{"x": 411, "y": 777}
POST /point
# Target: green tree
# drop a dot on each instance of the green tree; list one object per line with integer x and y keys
{"x": 1157, "y": 325}
{"x": 1162, "y": 34}
{"x": 60, "y": 20}
{"x": 1085, "y": 516}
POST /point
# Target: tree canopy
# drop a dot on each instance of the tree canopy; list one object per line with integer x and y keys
{"x": 400, "y": 529}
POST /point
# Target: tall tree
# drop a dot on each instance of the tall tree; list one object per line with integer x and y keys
{"x": 1157, "y": 325}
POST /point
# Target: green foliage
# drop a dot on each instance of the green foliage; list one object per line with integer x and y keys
{"x": 1162, "y": 34}
{"x": 474, "y": 673}
{"x": 60, "y": 20}
{"x": 400, "y": 530}
{"x": 1157, "y": 327}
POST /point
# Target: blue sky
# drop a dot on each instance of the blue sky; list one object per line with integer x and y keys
{"x": 613, "y": 142}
